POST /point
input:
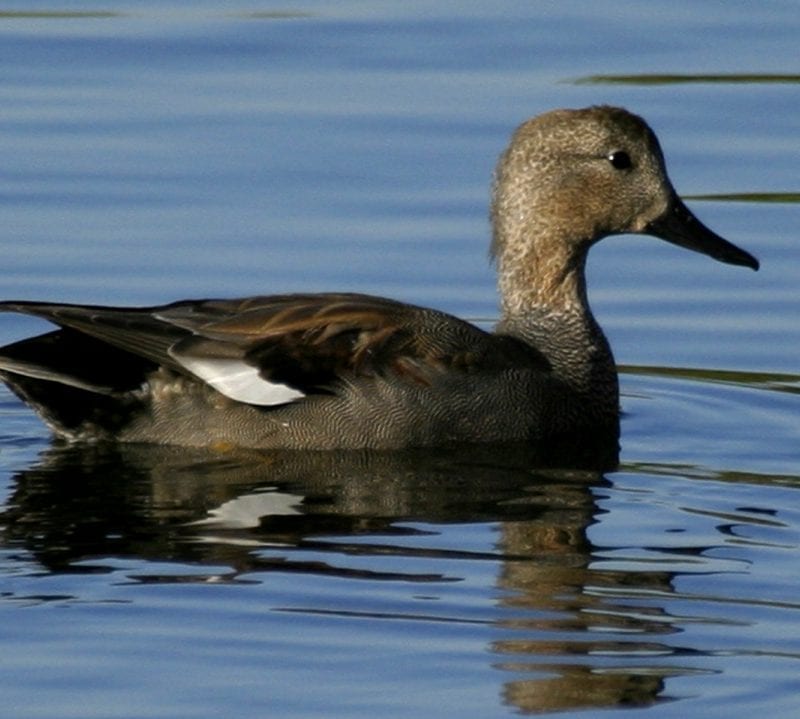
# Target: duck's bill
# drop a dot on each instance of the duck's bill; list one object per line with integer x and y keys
{"x": 679, "y": 226}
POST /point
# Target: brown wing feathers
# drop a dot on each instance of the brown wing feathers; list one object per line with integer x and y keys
{"x": 307, "y": 342}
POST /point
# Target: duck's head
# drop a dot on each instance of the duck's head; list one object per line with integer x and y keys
{"x": 571, "y": 177}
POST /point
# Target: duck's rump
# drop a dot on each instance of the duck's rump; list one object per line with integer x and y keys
{"x": 75, "y": 382}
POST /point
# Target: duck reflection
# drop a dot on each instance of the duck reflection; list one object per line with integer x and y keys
{"x": 558, "y": 624}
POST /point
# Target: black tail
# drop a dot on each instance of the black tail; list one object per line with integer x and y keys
{"x": 79, "y": 385}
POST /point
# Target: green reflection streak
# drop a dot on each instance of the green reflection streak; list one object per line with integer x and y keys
{"x": 777, "y": 197}
{"x": 777, "y": 381}
{"x": 655, "y": 79}
{"x": 57, "y": 14}
{"x": 273, "y": 15}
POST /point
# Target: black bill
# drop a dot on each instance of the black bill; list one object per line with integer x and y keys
{"x": 679, "y": 226}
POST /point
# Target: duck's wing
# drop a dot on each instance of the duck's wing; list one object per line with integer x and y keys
{"x": 131, "y": 329}
{"x": 277, "y": 349}
{"x": 270, "y": 350}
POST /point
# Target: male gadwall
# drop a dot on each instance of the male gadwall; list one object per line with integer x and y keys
{"x": 342, "y": 370}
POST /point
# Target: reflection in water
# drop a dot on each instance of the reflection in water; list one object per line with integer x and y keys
{"x": 777, "y": 381}
{"x": 662, "y": 79}
{"x": 773, "y": 197}
{"x": 562, "y": 631}
{"x": 58, "y": 14}
{"x": 154, "y": 502}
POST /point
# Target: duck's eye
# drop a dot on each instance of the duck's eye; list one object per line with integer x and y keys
{"x": 620, "y": 159}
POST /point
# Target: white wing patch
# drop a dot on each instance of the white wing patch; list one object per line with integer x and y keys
{"x": 238, "y": 380}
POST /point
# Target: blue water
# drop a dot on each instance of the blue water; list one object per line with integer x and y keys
{"x": 154, "y": 151}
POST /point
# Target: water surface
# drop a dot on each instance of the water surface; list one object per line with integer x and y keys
{"x": 153, "y": 152}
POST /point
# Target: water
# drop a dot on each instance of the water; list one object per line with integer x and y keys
{"x": 155, "y": 151}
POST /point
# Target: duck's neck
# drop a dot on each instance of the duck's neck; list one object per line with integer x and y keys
{"x": 544, "y": 303}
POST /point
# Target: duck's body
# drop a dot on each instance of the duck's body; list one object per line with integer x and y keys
{"x": 350, "y": 371}
{"x": 338, "y": 371}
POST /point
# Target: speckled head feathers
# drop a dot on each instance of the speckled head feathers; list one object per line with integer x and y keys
{"x": 571, "y": 177}
{"x": 578, "y": 175}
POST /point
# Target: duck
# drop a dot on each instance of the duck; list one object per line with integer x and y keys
{"x": 342, "y": 370}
